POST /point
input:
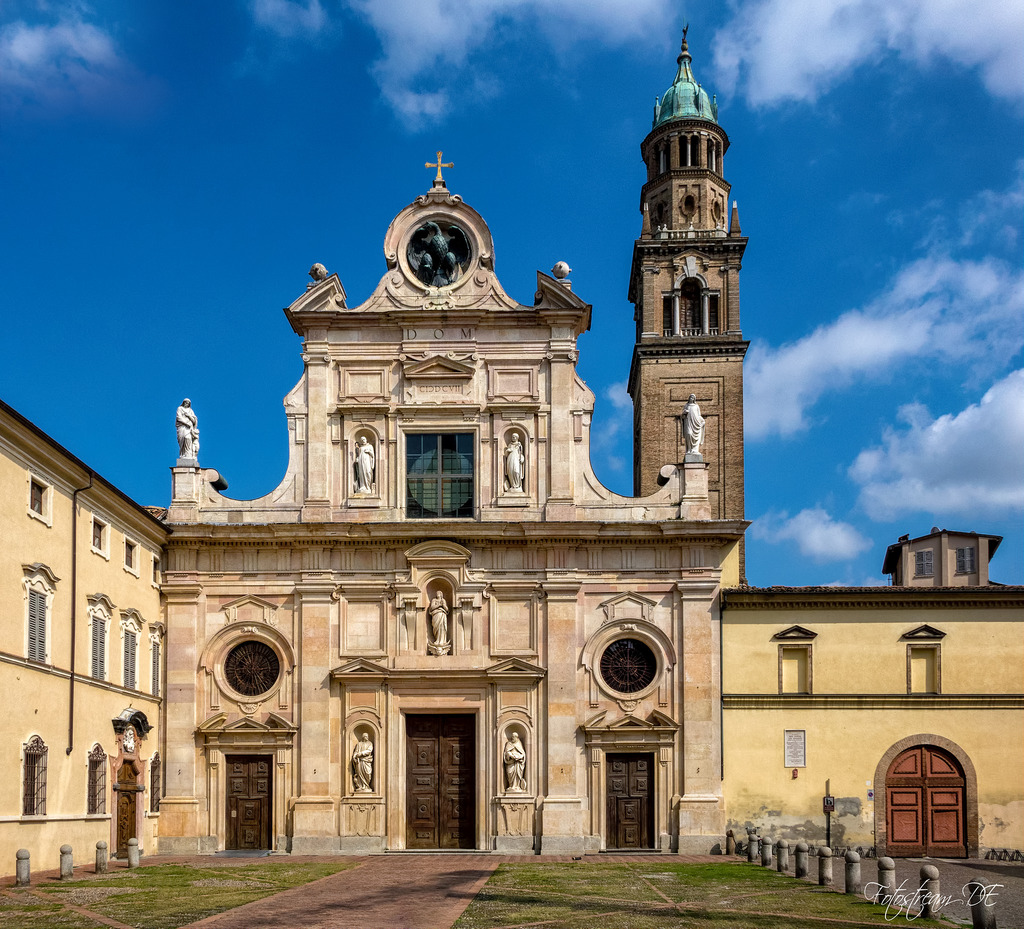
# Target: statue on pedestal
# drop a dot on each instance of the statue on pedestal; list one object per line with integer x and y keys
{"x": 514, "y": 757}
{"x": 364, "y": 466}
{"x": 693, "y": 427}
{"x": 187, "y": 426}
{"x": 438, "y": 612}
{"x": 515, "y": 461}
{"x": 362, "y": 765}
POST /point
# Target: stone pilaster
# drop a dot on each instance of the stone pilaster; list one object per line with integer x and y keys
{"x": 317, "y": 505}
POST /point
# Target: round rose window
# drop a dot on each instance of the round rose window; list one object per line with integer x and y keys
{"x": 252, "y": 668}
{"x": 628, "y": 666}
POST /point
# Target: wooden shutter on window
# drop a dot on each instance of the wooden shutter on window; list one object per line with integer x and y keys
{"x": 36, "y": 626}
{"x": 129, "y": 659}
{"x": 99, "y": 648}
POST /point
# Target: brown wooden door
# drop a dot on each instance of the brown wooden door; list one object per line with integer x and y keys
{"x": 440, "y": 782}
{"x": 248, "y": 807}
{"x": 127, "y": 814}
{"x": 924, "y": 805}
{"x": 630, "y": 808}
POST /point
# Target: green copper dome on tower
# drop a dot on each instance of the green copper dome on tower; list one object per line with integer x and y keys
{"x": 685, "y": 99}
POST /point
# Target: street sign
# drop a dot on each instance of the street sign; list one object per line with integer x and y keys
{"x": 828, "y": 804}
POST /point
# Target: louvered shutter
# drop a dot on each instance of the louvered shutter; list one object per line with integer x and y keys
{"x": 99, "y": 648}
{"x": 155, "y": 668}
{"x": 36, "y": 626}
{"x": 129, "y": 659}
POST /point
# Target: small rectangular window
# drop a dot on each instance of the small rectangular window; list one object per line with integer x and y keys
{"x": 96, "y": 801}
{"x": 130, "y": 650}
{"x": 130, "y": 553}
{"x": 666, "y": 315}
{"x": 713, "y": 313}
{"x": 99, "y": 535}
{"x": 37, "y": 497}
{"x": 923, "y": 669}
{"x": 923, "y": 565}
{"x": 794, "y": 669}
{"x": 965, "y": 561}
{"x": 156, "y": 569}
{"x": 34, "y": 778}
{"x": 36, "y": 625}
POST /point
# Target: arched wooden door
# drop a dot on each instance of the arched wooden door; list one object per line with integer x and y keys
{"x": 924, "y": 804}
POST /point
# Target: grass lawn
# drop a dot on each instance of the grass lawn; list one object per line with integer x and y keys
{"x": 158, "y": 897}
{"x": 645, "y": 895}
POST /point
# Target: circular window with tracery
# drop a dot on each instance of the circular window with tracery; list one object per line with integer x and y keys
{"x": 252, "y": 668}
{"x": 628, "y": 666}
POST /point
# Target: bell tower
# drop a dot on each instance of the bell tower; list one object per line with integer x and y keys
{"x": 684, "y": 285}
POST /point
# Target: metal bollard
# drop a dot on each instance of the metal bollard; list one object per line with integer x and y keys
{"x": 730, "y": 843}
{"x": 23, "y": 868}
{"x": 930, "y": 903}
{"x": 752, "y": 846}
{"x": 801, "y": 859}
{"x": 824, "y": 866}
{"x": 886, "y": 881}
{"x": 983, "y": 913}
{"x": 101, "y": 857}
{"x": 852, "y": 875}
{"x": 133, "y": 853}
{"x": 67, "y": 867}
{"x": 782, "y": 856}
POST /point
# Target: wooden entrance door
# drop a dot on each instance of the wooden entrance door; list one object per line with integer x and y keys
{"x": 630, "y": 808}
{"x": 248, "y": 801}
{"x": 440, "y": 782}
{"x": 127, "y": 807}
{"x": 924, "y": 805}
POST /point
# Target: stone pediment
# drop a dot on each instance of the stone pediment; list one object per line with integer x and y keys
{"x": 438, "y": 552}
{"x": 626, "y": 607}
{"x": 515, "y": 668}
{"x": 924, "y": 633}
{"x": 360, "y": 669}
{"x": 796, "y": 633}
{"x": 250, "y": 609}
{"x": 438, "y": 367}
{"x": 219, "y": 723}
{"x": 553, "y": 295}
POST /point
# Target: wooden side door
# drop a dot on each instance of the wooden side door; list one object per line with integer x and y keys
{"x": 440, "y": 782}
{"x": 248, "y": 802}
{"x": 924, "y": 805}
{"x": 127, "y": 814}
{"x": 629, "y": 806}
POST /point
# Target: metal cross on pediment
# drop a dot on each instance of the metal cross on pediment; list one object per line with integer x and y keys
{"x": 439, "y": 181}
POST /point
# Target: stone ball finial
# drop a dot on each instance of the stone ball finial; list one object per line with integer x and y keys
{"x": 318, "y": 272}
{"x": 561, "y": 270}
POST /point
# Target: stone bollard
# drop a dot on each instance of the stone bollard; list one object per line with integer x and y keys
{"x": 23, "y": 868}
{"x": 730, "y": 843}
{"x": 67, "y": 867}
{"x": 782, "y": 855}
{"x": 133, "y": 853}
{"x": 852, "y": 876}
{"x": 101, "y": 857}
{"x": 983, "y": 912}
{"x": 886, "y": 881}
{"x": 801, "y": 859}
{"x": 930, "y": 903}
{"x": 766, "y": 852}
{"x": 824, "y": 866}
{"x": 752, "y": 846}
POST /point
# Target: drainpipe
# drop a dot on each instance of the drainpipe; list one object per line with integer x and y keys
{"x": 74, "y": 610}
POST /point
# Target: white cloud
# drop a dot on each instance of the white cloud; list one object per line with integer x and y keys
{"x": 968, "y": 464}
{"x": 610, "y": 436}
{"x": 289, "y": 18}
{"x": 936, "y": 309}
{"x": 817, "y": 535}
{"x": 779, "y": 50}
{"x": 69, "y": 62}
{"x": 426, "y": 43}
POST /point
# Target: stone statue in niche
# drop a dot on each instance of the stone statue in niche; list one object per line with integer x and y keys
{"x": 693, "y": 429}
{"x": 515, "y": 465}
{"x": 438, "y": 613}
{"x": 187, "y": 425}
{"x": 437, "y": 255}
{"x": 362, "y": 765}
{"x": 514, "y": 758}
{"x": 365, "y": 463}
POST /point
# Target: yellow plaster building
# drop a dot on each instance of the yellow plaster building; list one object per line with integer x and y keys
{"x": 81, "y": 660}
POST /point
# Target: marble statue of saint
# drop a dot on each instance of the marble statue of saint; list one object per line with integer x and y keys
{"x": 439, "y": 622}
{"x": 515, "y": 461}
{"x": 364, "y": 465}
{"x": 514, "y": 757}
{"x": 693, "y": 426}
{"x": 187, "y": 426}
{"x": 362, "y": 765}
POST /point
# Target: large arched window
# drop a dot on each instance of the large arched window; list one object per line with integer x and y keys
{"x": 689, "y": 305}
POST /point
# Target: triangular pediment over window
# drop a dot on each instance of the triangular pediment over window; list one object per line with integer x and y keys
{"x": 360, "y": 669}
{"x": 924, "y": 632}
{"x": 796, "y": 634}
{"x": 438, "y": 367}
{"x": 218, "y": 723}
{"x": 515, "y": 668}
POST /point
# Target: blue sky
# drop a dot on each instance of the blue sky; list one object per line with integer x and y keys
{"x": 170, "y": 172}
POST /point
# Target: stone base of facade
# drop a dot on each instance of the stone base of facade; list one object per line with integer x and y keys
{"x": 562, "y": 845}
{"x": 361, "y": 845}
{"x": 316, "y": 845}
{"x": 515, "y": 844}
{"x": 186, "y": 845}
{"x": 701, "y": 845}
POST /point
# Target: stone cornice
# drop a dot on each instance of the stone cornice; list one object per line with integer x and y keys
{"x": 873, "y": 701}
{"x": 872, "y": 598}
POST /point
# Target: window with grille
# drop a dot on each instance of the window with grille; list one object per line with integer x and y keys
{"x": 154, "y": 667}
{"x": 36, "y": 625}
{"x": 131, "y": 647}
{"x": 155, "y": 785}
{"x": 34, "y": 778}
{"x": 628, "y": 666}
{"x": 965, "y": 561}
{"x": 439, "y": 476}
{"x": 97, "y": 789}
{"x": 923, "y": 565}
{"x": 99, "y": 648}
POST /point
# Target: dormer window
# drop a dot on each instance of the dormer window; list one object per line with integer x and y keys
{"x": 966, "y": 562}
{"x": 923, "y": 564}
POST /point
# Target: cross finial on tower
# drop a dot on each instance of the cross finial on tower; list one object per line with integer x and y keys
{"x": 439, "y": 181}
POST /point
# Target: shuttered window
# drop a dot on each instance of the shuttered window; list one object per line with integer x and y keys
{"x": 36, "y": 626}
{"x": 99, "y": 648}
{"x": 154, "y": 663}
{"x": 130, "y": 650}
